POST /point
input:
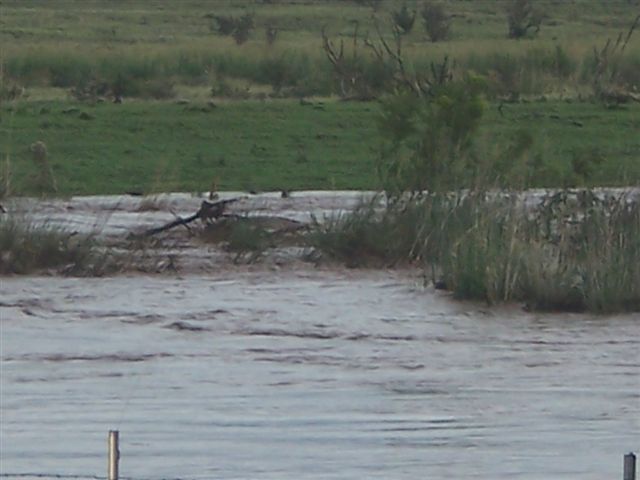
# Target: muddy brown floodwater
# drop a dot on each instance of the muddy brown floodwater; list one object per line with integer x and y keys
{"x": 307, "y": 374}
{"x": 285, "y": 372}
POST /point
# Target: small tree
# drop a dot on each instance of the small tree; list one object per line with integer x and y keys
{"x": 237, "y": 27}
{"x": 429, "y": 139}
{"x": 522, "y": 17}
{"x": 404, "y": 19}
{"x": 243, "y": 28}
{"x": 225, "y": 25}
{"x": 436, "y": 21}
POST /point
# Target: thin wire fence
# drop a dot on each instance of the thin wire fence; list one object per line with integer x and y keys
{"x": 82, "y": 477}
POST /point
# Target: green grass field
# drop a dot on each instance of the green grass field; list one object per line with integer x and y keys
{"x": 253, "y": 145}
{"x": 160, "y": 146}
{"x": 170, "y": 51}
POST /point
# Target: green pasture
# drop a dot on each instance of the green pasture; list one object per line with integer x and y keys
{"x": 151, "y": 146}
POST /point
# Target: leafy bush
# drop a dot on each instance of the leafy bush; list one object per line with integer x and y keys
{"x": 237, "y": 27}
{"x": 279, "y": 71}
{"x": 521, "y": 18}
{"x": 436, "y": 21}
{"x": 225, "y": 24}
{"x": 244, "y": 25}
{"x": 428, "y": 139}
{"x": 404, "y": 19}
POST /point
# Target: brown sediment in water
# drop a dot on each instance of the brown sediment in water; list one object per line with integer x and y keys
{"x": 307, "y": 370}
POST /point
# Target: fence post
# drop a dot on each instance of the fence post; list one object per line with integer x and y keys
{"x": 114, "y": 455}
{"x": 629, "y": 467}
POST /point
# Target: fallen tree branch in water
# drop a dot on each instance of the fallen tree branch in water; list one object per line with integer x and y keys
{"x": 207, "y": 212}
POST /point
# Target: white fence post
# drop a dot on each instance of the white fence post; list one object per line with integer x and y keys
{"x": 114, "y": 455}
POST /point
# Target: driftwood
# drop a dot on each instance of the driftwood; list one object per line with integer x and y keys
{"x": 208, "y": 212}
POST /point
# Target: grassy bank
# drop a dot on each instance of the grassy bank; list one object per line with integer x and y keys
{"x": 254, "y": 145}
{"x": 28, "y": 247}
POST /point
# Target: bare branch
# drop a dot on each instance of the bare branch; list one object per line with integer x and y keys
{"x": 336, "y": 59}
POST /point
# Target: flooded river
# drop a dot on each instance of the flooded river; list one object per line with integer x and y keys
{"x": 308, "y": 374}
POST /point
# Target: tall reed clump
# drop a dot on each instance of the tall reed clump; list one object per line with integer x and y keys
{"x": 574, "y": 251}
{"x": 373, "y": 234}
{"x": 473, "y": 247}
{"x": 611, "y": 250}
{"x": 585, "y": 255}
{"x": 27, "y": 246}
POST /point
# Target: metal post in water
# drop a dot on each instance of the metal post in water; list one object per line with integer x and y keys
{"x": 629, "y": 467}
{"x": 114, "y": 455}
